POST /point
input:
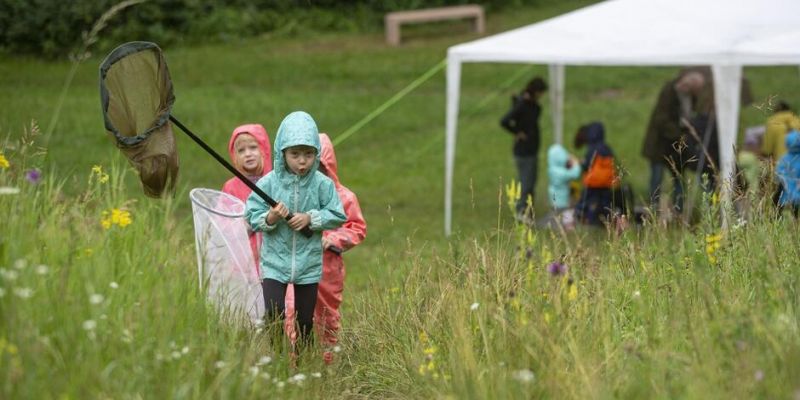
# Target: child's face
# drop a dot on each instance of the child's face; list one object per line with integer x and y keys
{"x": 248, "y": 154}
{"x": 300, "y": 159}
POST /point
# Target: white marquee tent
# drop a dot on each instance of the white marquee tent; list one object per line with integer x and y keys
{"x": 725, "y": 34}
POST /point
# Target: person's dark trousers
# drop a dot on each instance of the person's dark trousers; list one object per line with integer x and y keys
{"x": 656, "y": 177}
{"x": 526, "y": 170}
{"x": 594, "y": 203}
{"x": 305, "y": 299}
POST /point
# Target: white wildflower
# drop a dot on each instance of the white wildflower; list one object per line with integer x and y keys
{"x": 23, "y": 293}
{"x": 185, "y": 350}
{"x": 20, "y": 264}
{"x": 264, "y": 360}
{"x": 8, "y": 190}
{"x": 42, "y": 269}
{"x": 175, "y": 355}
{"x": 337, "y": 348}
{"x": 474, "y": 306}
{"x": 297, "y": 379}
{"x": 280, "y": 384}
{"x": 127, "y": 337}
{"x": 8, "y": 274}
{"x": 254, "y": 371}
{"x": 96, "y": 298}
{"x": 89, "y": 325}
{"x": 316, "y": 374}
{"x": 524, "y": 375}
{"x": 219, "y": 364}
{"x": 113, "y": 285}
{"x": 265, "y": 375}
{"x": 637, "y": 294}
{"x": 159, "y": 357}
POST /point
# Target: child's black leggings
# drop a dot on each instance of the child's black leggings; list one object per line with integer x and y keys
{"x": 305, "y": 299}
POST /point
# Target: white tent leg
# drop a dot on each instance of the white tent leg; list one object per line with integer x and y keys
{"x": 453, "y": 88}
{"x": 727, "y": 85}
{"x": 556, "y": 72}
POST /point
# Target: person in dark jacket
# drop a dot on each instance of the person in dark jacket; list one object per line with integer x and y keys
{"x": 522, "y": 121}
{"x": 677, "y": 100}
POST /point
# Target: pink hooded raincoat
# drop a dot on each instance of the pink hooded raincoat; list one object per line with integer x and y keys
{"x": 236, "y": 187}
{"x": 350, "y": 234}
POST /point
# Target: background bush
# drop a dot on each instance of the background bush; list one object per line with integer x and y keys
{"x": 53, "y": 28}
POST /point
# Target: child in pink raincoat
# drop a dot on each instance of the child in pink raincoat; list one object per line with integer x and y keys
{"x": 350, "y": 234}
{"x": 251, "y": 155}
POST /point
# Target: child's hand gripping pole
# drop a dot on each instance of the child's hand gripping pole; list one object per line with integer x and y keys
{"x": 272, "y": 203}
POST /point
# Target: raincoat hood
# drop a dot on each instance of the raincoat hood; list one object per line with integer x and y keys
{"x": 260, "y": 134}
{"x": 793, "y": 142}
{"x": 298, "y": 128}
{"x": 328, "y": 158}
{"x": 595, "y": 133}
{"x": 557, "y": 155}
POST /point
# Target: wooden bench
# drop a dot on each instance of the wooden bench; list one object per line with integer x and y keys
{"x": 393, "y": 20}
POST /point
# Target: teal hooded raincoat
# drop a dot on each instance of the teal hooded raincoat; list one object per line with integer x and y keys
{"x": 286, "y": 255}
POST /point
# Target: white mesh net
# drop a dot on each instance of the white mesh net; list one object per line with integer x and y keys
{"x": 224, "y": 257}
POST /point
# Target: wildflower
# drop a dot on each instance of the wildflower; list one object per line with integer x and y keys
{"x": 636, "y": 294}
{"x": 474, "y": 306}
{"x": 573, "y": 292}
{"x": 20, "y": 264}
{"x": 316, "y": 375}
{"x": 175, "y": 355}
{"x": 89, "y": 325}
{"x": 557, "y": 268}
{"x": 219, "y": 364}
{"x": 42, "y": 269}
{"x": 8, "y": 190}
{"x": 712, "y": 245}
{"x": 759, "y": 375}
{"x": 113, "y": 285}
{"x": 115, "y": 216}
{"x": 97, "y": 171}
{"x": 23, "y": 293}
{"x": 337, "y": 348}
{"x": 254, "y": 371}
{"x": 264, "y": 360}
{"x": 127, "y": 336}
{"x": 34, "y": 176}
{"x": 4, "y": 164}
{"x": 297, "y": 379}
{"x": 8, "y": 274}
{"x": 429, "y": 351}
{"x": 96, "y": 298}
{"x": 524, "y": 375}
{"x": 185, "y": 350}
{"x": 513, "y": 193}
{"x": 280, "y": 384}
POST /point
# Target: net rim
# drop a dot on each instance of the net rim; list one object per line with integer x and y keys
{"x": 194, "y": 196}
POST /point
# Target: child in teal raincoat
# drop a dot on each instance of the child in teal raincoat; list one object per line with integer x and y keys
{"x": 287, "y": 256}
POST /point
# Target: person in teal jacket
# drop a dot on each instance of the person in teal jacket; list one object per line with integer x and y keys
{"x": 287, "y": 256}
{"x": 561, "y": 169}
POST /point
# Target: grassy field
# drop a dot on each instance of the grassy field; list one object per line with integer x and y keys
{"x": 115, "y": 313}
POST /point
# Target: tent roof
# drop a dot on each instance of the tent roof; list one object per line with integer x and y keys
{"x": 651, "y": 32}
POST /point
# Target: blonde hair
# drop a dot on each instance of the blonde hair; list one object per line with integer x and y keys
{"x": 236, "y": 163}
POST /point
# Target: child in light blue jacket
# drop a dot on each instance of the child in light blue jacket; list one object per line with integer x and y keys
{"x": 562, "y": 168}
{"x": 287, "y": 256}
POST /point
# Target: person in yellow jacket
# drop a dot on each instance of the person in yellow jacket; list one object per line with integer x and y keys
{"x": 778, "y": 125}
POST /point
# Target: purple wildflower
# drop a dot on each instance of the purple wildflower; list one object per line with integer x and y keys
{"x": 557, "y": 268}
{"x": 33, "y": 176}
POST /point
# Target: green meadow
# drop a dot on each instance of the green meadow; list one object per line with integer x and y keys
{"x": 89, "y": 310}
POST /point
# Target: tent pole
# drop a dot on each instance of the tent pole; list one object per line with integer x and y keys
{"x": 556, "y": 72}
{"x": 451, "y": 124}
{"x": 727, "y": 88}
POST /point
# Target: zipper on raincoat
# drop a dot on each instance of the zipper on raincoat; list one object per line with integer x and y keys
{"x": 294, "y": 233}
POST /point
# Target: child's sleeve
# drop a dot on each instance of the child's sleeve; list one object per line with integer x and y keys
{"x": 563, "y": 174}
{"x": 256, "y": 210}
{"x": 330, "y": 215}
{"x": 354, "y": 230}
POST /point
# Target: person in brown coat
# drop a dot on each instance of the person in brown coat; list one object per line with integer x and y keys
{"x": 677, "y": 99}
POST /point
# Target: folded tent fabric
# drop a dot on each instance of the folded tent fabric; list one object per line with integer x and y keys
{"x": 136, "y": 96}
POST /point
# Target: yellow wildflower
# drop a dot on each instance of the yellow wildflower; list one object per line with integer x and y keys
{"x": 712, "y": 245}
{"x": 547, "y": 317}
{"x": 4, "y": 162}
{"x": 97, "y": 170}
{"x": 429, "y": 351}
{"x": 573, "y": 292}
{"x": 116, "y": 216}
